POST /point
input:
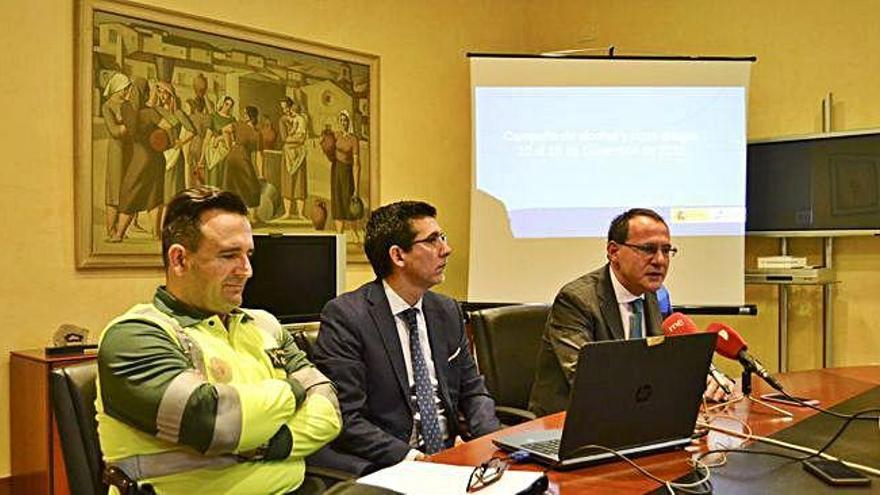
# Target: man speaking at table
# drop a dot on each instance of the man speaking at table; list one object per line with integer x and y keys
{"x": 615, "y": 302}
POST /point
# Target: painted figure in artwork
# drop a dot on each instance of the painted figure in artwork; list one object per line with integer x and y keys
{"x": 294, "y": 184}
{"x": 198, "y": 115}
{"x": 114, "y": 110}
{"x": 218, "y": 142}
{"x": 344, "y": 174}
{"x": 244, "y": 159}
{"x": 181, "y": 132}
{"x": 143, "y": 181}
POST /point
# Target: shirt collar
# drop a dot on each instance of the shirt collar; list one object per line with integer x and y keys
{"x": 185, "y": 314}
{"x": 398, "y": 305}
{"x": 623, "y": 295}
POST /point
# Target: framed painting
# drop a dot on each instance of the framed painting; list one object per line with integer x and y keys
{"x": 166, "y": 101}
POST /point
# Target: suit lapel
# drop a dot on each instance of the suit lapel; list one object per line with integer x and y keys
{"x": 380, "y": 312}
{"x": 653, "y": 318}
{"x": 608, "y": 305}
{"x": 435, "y": 320}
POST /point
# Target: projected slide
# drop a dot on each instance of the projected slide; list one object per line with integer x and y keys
{"x": 564, "y": 160}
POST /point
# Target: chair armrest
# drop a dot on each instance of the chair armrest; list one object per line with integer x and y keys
{"x": 510, "y": 416}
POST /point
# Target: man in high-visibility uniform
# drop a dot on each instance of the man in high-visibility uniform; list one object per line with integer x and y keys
{"x": 196, "y": 395}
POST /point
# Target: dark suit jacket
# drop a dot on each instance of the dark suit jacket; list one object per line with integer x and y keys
{"x": 585, "y": 310}
{"x": 359, "y": 349}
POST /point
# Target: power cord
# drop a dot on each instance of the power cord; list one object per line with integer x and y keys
{"x": 850, "y": 418}
{"x": 747, "y": 451}
{"x": 830, "y": 412}
{"x": 813, "y": 453}
{"x": 671, "y": 486}
{"x": 709, "y": 418}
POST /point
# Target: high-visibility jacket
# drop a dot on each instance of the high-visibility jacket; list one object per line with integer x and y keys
{"x": 192, "y": 405}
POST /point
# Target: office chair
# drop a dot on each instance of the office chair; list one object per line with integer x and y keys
{"x": 73, "y": 400}
{"x": 305, "y": 335}
{"x": 507, "y": 340}
{"x": 326, "y": 464}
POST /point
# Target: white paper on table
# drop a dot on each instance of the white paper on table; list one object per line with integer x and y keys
{"x": 429, "y": 478}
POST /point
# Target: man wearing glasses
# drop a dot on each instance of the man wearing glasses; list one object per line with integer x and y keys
{"x": 615, "y": 302}
{"x": 398, "y": 353}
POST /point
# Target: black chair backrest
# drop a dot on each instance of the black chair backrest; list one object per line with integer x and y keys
{"x": 305, "y": 335}
{"x": 507, "y": 340}
{"x": 73, "y": 400}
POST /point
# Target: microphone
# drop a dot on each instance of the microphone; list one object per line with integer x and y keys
{"x": 680, "y": 324}
{"x": 732, "y": 346}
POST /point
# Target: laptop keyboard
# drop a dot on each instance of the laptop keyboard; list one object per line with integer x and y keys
{"x": 549, "y": 447}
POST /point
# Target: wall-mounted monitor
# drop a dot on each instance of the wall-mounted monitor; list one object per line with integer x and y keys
{"x": 295, "y": 275}
{"x": 821, "y": 185}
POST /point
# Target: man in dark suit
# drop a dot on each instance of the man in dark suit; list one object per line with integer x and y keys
{"x": 398, "y": 353}
{"x": 615, "y": 302}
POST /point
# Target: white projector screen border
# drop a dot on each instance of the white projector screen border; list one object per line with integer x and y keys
{"x": 708, "y": 270}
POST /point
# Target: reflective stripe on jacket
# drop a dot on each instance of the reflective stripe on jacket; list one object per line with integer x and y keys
{"x": 199, "y": 407}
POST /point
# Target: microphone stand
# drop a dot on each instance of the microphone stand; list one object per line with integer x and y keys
{"x": 747, "y": 393}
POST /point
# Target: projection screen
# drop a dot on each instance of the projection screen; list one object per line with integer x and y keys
{"x": 562, "y": 145}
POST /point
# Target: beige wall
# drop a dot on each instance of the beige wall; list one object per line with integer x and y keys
{"x": 805, "y": 49}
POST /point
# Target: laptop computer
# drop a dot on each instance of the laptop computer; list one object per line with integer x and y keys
{"x": 634, "y": 396}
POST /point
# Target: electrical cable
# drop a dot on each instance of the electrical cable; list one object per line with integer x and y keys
{"x": 709, "y": 417}
{"x": 747, "y": 451}
{"x": 843, "y": 427}
{"x": 670, "y": 485}
{"x": 749, "y": 436}
{"x": 828, "y": 411}
{"x": 791, "y": 446}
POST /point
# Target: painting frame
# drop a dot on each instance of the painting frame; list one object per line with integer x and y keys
{"x": 117, "y": 36}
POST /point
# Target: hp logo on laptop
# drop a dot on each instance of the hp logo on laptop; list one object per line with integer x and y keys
{"x": 644, "y": 392}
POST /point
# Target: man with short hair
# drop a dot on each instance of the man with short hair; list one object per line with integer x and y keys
{"x": 195, "y": 394}
{"x": 398, "y": 352}
{"x": 615, "y": 302}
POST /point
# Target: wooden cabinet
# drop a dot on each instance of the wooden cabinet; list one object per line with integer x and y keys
{"x": 35, "y": 449}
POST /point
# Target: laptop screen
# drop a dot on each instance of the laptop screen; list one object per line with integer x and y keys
{"x": 635, "y": 392}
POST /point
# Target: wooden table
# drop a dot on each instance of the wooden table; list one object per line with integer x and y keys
{"x": 830, "y": 386}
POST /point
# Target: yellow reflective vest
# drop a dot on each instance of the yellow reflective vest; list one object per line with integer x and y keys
{"x": 191, "y": 405}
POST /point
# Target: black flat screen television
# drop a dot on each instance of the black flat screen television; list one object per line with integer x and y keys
{"x": 823, "y": 185}
{"x": 295, "y": 275}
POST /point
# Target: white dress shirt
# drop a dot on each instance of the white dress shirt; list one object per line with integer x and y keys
{"x": 398, "y": 305}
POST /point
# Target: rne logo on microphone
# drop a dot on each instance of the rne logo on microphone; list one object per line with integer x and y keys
{"x": 723, "y": 334}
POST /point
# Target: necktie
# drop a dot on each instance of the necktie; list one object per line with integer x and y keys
{"x": 635, "y": 321}
{"x": 430, "y": 424}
